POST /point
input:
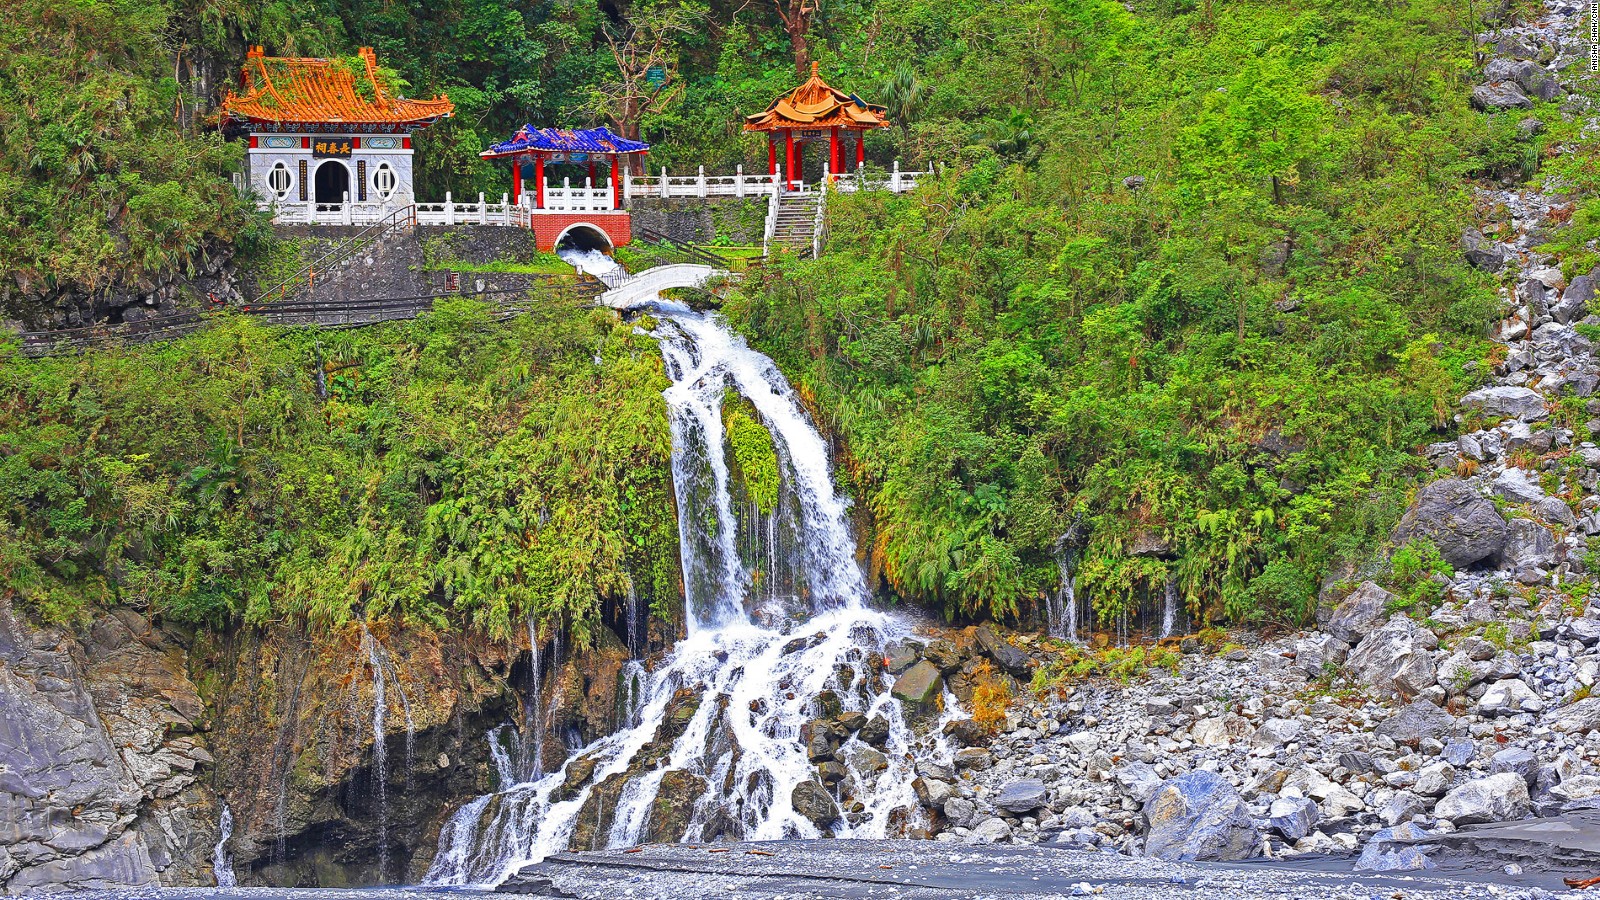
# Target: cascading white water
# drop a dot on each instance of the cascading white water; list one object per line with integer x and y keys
{"x": 1169, "y": 608}
{"x": 756, "y": 686}
{"x": 221, "y": 859}
{"x": 1061, "y": 611}
{"x": 593, "y": 262}
{"x": 380, "y": 750}
{"x": 534, "y": 722}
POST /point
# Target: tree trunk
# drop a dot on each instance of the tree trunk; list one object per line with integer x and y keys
{"x": 797, "y": 42}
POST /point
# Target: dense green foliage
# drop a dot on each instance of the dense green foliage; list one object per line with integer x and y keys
{"x": 1223, "y": 371}
{"x": 1221, "y": 366}
{"x": 96, "y": 182}
{"x": 458, "y": 471}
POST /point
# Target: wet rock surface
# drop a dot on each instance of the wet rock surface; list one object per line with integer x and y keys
{"x": 911, "y": 869}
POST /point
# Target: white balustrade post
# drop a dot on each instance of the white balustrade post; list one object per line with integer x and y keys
{"x": 483, "y": 210}
{"x": 505, "y": 204}
{"x": 449, "y": 209}
{"x": 588, "y": 192}
{"x": 738, "y": 180}
{"x": 702, "y": 182}
{"x": 627, "y": 186}
{"x": 825, "y": 175}
{"x": 663, "y": 182}
{"x": 566, "y": 191}
{"x": 894, "y": 178}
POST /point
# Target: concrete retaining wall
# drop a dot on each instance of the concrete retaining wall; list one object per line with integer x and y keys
{"x": 695, "y": 221}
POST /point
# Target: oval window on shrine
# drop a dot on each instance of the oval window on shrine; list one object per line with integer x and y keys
{"x": 384, "y": 180}
{"x": 280, "y": 180}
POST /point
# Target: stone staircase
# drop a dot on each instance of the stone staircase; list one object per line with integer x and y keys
{"x": 796, "y": 224}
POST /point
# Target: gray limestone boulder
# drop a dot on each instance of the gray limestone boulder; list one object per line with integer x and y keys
{"x": 990, "y": 831}
{"x": 1462, "y": 523}
{"x": 812, "y": 801}
{"x": 919, "y": 687}
{"x": 1528, "y": 544}
{"x": 1396, "y": 658}
{"x": 1139, "y": 779}
{"x": 1361, "y": 613}
{"x": 1504, "y": 95}
{"x": 1519, "y": 762}
{"x": 1198, "y": 816}
{"x": 1013, "y": 661}
{"x": 1418, "y": 721}
{"x": 1509, "y": 697}
{"x": 1507, "y": 400}
{"x": 1022, "y": 796}
{"x": 1496, "y": 798}
{"x": 1481, "y": 252}
{"x": 1316, "y": 652}
{"x": 1574, "y": 303}
{"x": 1277, "y": 732}
{"x": 1514, "y": 484}
{"x": 1292, "y": 817}
{"x": 1577, "y": 718}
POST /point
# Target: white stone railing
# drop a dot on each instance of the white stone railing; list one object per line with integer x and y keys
{"x": 700, "y": 185}
{"x": 588, "y": 198}
{"x": 567, "y": 198}
{"x": 894, "y": 181}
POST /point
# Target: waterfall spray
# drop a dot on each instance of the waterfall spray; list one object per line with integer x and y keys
{"x": 1061, "y": 611}
{"x": 1169, "y": 608}
{"x": 739, "y": 748}
{"x": 221, "y": 859}
{"x": 532, "y": 721}
{"x": 380, "y": 752}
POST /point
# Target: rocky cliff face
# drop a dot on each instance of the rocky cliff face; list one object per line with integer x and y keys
{"x": 120, "y": 743}
{"x": 101, "y": 766}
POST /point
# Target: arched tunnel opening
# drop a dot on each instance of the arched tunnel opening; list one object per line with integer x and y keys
{"x": 584, "y": 239}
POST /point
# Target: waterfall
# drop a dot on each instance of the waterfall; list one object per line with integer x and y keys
{"x": 221, "y": 860}
{"x": 1169, "y": 608}
{"x": 380, "y": 751}
{"x": 735, "y": 693}
{"x": 1061, "y": 611}
{"x": 635, "y": 638}
{"x": 533, "y": 722}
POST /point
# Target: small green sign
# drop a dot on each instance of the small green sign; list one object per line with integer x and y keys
{"x": 655, "y": 76}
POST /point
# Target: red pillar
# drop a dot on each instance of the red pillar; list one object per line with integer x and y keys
{"x": 616, "y": 188}
{"x": 772, "y": 155}
{"x": 516, "y": 181}
{"x": 538, "y": 182}
{"x": 833, "y": 149}
{"x": 861, "y": 148}
{"x": 788, "y": 151}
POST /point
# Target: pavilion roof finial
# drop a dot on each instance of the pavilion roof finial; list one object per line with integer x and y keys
{"x": 814, "y": 105}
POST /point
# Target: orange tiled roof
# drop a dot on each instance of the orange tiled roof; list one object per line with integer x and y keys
{"x": 294, "y": 89}
{"x": 817, "y": 105}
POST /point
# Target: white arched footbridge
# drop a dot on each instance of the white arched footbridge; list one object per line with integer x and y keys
{"x": 644, "y": 287}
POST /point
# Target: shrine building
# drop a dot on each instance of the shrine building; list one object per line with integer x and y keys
{"x": 816, "y": 113}
{"x": 326, "y": 132}
{"x": 556, "y": 183}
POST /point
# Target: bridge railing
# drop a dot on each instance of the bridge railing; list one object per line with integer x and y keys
{"x": 863, "y": 179}
{"x": 701, "y": 185}
{"x": 481, "y": 212}
{"x": 585, "y": 198}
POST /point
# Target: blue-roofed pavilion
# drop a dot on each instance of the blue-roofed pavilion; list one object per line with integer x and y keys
{"x": 580, "y": 146}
